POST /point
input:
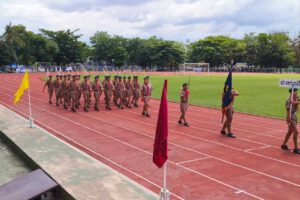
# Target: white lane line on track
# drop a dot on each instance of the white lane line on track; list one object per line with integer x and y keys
{"x": 219, "y": 159}
{"x": 267, "y": 135}
{"x": 253, "y": 149}
{"x": 194, "y": 137}
{"x": 92, "y": 151}
{"x": 194, "y": 160}
{"x": 214, "y": 123}
{"x": 198, "y": 173}
{"x": 206, "y": 110}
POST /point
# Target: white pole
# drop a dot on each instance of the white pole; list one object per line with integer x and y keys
{"x": 30, "y": 114}
{"x": 164, "y": 193}
{"x": 291, "y": 106}
{"x": 208, "y": 68}
{"x": 165, "y": 175}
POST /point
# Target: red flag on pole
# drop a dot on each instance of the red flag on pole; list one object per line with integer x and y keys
{"x": 160, "y": 152}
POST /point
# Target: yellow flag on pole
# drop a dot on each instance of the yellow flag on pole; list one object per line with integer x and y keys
{"x": 24, "y": 85}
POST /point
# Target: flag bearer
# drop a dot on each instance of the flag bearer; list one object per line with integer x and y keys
{"x": 228, "y": 112}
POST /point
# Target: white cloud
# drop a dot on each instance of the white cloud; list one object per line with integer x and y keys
{"x": 170, "y": 19}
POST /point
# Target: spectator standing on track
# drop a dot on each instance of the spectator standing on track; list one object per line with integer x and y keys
{"x": 50, "y": 86}
{"x": 136, "y": 91}
{"x": 291, "y": 105}
{"x": 145, "y": 95}
{"x": 184, "y": 103}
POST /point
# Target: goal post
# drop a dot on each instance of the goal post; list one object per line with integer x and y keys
{"x": 195, "y": 67}
{"x": 44, "y": 66}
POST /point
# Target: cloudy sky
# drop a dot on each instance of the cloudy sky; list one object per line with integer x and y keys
{"x": 169, "y": 19}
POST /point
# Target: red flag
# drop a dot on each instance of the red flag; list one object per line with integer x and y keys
{"x": 160, "y": 152}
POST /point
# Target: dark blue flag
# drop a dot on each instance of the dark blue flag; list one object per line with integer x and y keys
{"x": 227, "y": 99}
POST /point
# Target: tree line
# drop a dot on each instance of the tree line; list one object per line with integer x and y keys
{"x": 20, "y": 46}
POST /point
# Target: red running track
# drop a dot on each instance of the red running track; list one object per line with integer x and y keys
{"x": 202, "y": 164}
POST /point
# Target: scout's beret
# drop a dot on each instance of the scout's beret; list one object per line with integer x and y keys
{"x": 85, "y": 77}
{"x": 135, "y": 76}
{"x": 116, "y": 76}
{"x": 147, "y": 77}
{"x": 293, "y": 89}
{"x": 124, "y": 77}
{"x": 108, "y": 76}
{"x": 97, "y": 76}
{"x": 57, "y": 76}
{"x": 129, "y": 77}
{"x": 184, "y": 84}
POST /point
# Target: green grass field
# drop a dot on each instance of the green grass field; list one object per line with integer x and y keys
{"x": 259, "y": 94}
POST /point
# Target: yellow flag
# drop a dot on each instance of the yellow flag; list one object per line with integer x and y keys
{"x": 24, "y": 85}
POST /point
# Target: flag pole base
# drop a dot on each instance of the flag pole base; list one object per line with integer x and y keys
{"x": 164, "y": 194}
{"x": 31, "y": 124}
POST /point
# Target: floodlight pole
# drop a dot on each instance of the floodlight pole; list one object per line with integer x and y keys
{"x": 164, "y": 192}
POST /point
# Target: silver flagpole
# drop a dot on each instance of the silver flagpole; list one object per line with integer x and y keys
{"x": 164, "y": 193}
{"x": 30, "y": 113}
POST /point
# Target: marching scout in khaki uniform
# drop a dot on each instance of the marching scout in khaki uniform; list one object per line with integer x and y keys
{"x": 97, "y": 89}
{"x": 184, "y": 103}
{"x": 136, "y": 91}
{"x": 291, "y": 106}
{"x": 145, "y": 95}
{"x": 50, "y": 87}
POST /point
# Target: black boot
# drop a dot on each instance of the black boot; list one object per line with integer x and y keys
{"x": 223, "y": 132}
{"x": 231, "y": 135}
{"x": 285, "y": 147}
{"x": 296, "y": 151}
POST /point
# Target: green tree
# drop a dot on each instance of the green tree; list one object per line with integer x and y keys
{"x": 71, "y": 50}
{"x": 251, "y": 49}
{"x": 15, "y": 39}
